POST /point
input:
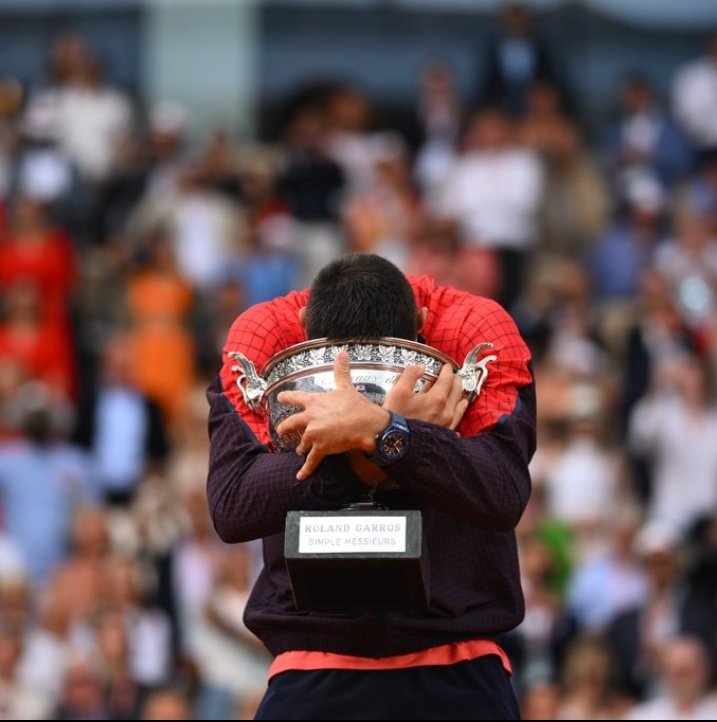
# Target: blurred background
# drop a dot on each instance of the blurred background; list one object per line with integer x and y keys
{"x": 166, "y": 163}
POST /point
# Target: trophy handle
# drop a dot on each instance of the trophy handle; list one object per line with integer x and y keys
{"x": 251, "y": 385}
{"x": 474, "y": 372}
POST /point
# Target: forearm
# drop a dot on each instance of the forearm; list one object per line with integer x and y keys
{"x": 250, "y": 489}
{"x": 483, "y": 479}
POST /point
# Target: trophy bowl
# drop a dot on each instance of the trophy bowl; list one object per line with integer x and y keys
{"x": 376, "y": 365}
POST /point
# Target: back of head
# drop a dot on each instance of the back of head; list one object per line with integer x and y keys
{"x": 361, "y": 296}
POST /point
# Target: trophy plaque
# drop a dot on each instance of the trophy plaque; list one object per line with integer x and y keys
{"x": 362, "y": 556}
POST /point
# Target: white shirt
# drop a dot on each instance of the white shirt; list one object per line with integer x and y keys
{"x": 91, "y": 123}
{"x": 684, "y": 449}
{"x": 495, "y": 197}
{"x": 695, "y": 101}
{"x": 582, "y": 482}
{"x": 663, "y": 708}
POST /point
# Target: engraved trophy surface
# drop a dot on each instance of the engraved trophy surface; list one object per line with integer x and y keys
{"x": 364, "y": 556}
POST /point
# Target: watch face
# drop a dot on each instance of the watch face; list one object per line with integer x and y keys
{"x": 393, "y": 444}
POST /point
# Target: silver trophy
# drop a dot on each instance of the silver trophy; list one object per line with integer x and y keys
{"x": 366, "y": 556}
{"x": 375, "y": 368}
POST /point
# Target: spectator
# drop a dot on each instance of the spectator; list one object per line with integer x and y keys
{"x": 16, "y": 700}
{"x": 588, "y": 507}
{"x": 516, "y": 59}
{"x": 682, "y": 462}
{"x": 588, "y": 692}
{"x": 575, "y": 199}
{"x": 689, "y": 263}
{"x": 494, "y": 191}
{"x": 439, "y": 118}
{"x": 92, "y": 117}
{"x": 644, "y": 139}
{"x": 35, "y": 250}
{"x": 202, "y": 226}
{"x": 312, "y": 186}
{"x": 40, "y": 344}
{"x": 147, "y": 628}
{"x": 604, "y": 585}
{"x": 77, "y": 588}
{"x": 42, "y": 478}
{"x": 382, "y": 218}
{"x": 694, "y": 95}
{"x": 82, "y": 695}
{"x": 637, "y": 635}
{"x": 159, "y": 302}
{"x": 121, "y": 428}
{"x": 684, "y": 675}
{"x": 166, "y": 704}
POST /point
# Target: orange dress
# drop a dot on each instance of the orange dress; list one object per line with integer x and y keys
{"x": 159, "y": 304}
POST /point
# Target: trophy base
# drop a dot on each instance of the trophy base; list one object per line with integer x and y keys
{"x": 361, "y": 558}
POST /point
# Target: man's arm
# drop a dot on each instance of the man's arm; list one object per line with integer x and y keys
{"x": 484, "y": 478}
{"x": 481, "y": 476}
{"x": 250, "y": 489}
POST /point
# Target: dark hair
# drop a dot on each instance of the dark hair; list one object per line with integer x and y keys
{"x": 361, "y": 296}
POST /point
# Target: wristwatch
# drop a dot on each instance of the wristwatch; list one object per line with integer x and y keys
{"x": 391, "y": 443}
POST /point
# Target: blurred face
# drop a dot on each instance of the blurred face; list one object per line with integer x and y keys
{"x": 694, "y": 233}
{"x": 112, "y": 639}
{"x": 166, "y": 705}
{"x": 15, "y": 604}
{"x": 685, "y": 669}
{"x": 66, "y": 56}
{"x": 81, "y": 691}
{"x": 516, "y": 21}
{"x": 661, "y": 567}
{"x": 543, "y": 99}
{"x": 591, "y": 668}
{"x": 488, "y": 131}
{"x": 257, "y": 184}
{"x": 712, "y": 47}
{"x": 349, "y": 111}
{"x": 437, "y": 80}
{"x": 121, "y": 586}
{"x": 307, "y": 131}
{"x": 196, "y": 506}
{"x": 27, "y": 214}
{"x": 90, "y": 532}
{"x": 9, "y": 654}
{"x": 540, "y": 703}
{"x": 22, "y": 303}
{"x": 535, "y": 560}
{"x": 636, "y": 97}
{"x": 118, "y": 360}
{"x": 236, "y": 568}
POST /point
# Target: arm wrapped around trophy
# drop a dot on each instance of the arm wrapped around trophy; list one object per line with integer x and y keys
{"x": 367, "y": 555}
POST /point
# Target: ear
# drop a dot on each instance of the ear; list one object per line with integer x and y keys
{"x": 422, "y": 316}
{"x": 302, "y": 316}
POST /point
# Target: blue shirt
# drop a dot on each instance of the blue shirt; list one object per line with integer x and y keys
{"x": 39, "y": 488}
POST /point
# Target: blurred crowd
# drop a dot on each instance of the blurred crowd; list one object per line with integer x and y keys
{"x": 127, "y": 248}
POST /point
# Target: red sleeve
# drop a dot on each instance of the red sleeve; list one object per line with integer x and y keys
{"x": 259, "y": 333}
{"x": 482, "y": 475}
{"x": 457, "y": 322}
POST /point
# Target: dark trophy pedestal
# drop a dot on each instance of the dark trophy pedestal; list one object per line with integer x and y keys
{"x": 358, "y": 558}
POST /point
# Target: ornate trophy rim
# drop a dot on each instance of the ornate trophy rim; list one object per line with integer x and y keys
{"x": 382, "y": 353}
{"x": 346, "y": 344}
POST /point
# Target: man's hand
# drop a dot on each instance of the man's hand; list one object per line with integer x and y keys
{"x": 441, "y": 404}
{"x": 334, "y": 422}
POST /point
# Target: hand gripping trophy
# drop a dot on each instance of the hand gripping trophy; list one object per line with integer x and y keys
{"x": 364, "y": 555}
